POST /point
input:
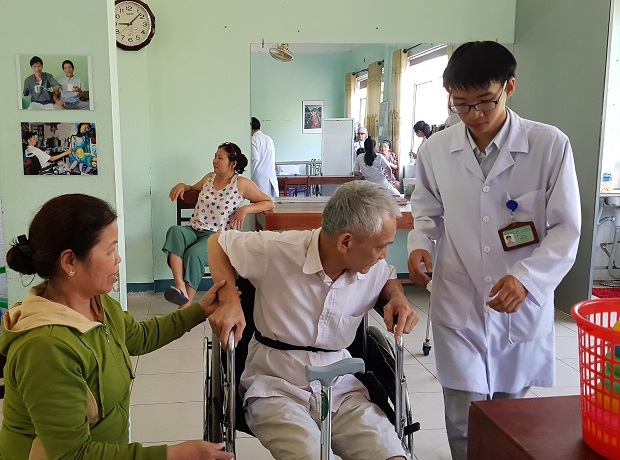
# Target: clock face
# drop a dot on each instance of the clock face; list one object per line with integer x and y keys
{"x": 135, "y": 24}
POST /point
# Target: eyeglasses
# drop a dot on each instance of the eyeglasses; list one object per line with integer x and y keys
{"x": 480, "y": 106}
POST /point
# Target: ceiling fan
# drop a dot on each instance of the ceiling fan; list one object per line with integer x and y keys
{"x": 281, "y": 52}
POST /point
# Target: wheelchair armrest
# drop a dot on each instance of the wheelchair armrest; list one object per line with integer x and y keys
{"x": 326, "y": 374}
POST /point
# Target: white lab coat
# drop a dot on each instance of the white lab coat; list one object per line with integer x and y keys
{"x": 264, "y": 163}
{"x": 478, "y": 349}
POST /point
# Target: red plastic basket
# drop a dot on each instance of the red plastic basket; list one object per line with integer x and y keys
{"x": 599, "y": 370}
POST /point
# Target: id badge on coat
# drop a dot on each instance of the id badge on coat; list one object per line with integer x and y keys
{"x": 518, "y": 235}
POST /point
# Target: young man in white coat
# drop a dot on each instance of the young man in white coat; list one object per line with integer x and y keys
{"x": 493, "y": 175}
{"x": 263, "y": 161}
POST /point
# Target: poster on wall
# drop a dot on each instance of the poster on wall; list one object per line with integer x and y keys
{"x": 54, "y": 82}
{"x": 59, "y": 149}
{"x": 312, "y": 113}
{"x": 4, "y": 297}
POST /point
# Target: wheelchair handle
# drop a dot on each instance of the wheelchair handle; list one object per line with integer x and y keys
{"x": 327, "y": 374}
{"x": 231, "y": 340}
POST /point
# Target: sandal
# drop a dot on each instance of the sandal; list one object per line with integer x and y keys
{"x": 175, "y": 296}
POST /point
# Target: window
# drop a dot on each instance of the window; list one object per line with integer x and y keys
{"x": 359, "y": 100}
{"x": 423, "y": 87}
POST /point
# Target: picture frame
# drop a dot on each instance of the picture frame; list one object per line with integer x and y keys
{"x": 50, "y": 91}
{"x": 312, "y": 117}
{"x": 59, "y": 148}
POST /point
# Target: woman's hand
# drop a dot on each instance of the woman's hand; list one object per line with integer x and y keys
{"x": 178, "y": 191}
{"x": 209, "y": 302}
{"x": 192, "y": 450}
{"x": 236, "y": 220}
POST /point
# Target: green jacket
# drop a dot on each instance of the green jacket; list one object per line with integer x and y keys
{"x": 68, "y": 378}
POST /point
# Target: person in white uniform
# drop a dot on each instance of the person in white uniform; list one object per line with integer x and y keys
{"x": 312, "y": 290}
{"x": 263, "y": 161}
{"x": 495, "y": 174}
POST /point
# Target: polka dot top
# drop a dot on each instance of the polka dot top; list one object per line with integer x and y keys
{"x": 214, "y": 207}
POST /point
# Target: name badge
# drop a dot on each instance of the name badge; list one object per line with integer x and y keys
{"x": 518, "y": 235}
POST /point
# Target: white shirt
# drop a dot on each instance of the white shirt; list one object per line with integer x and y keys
{"x": 264, "y": 163}
{"x": 479, "y": 349}
{"x": 374, "y": 173}
{"x": 40, "y": 154}
{"x": 297, "y": 303}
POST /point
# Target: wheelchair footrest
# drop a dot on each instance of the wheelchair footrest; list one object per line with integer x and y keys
{"x": 409, "y": 429}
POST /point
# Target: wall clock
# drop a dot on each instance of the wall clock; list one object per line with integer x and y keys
{"x": 135, "y": 24}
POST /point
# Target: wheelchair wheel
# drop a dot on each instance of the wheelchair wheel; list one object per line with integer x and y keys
{"x": 383, "y": 356}
{"x": 213, "y": 414}
{"x": 219, "y": 406}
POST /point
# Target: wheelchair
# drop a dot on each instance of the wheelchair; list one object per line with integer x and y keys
{"x": 384, "y": 378}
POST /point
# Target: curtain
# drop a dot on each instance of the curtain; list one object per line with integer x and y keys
{"x": 373, "y": 99}
{"x": 450, "y": 47}
{"x": 349, "y": 91}
{"x": 399, "y": 66}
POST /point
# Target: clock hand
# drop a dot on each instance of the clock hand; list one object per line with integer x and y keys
{"x": 130, "y": 23}
{"x": 137, "y": 16}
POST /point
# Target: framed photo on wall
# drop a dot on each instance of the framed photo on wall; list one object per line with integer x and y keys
{"x": 312, "y": 117}
{"x": 59, "y": 149}
{"x": 54, "y": 82}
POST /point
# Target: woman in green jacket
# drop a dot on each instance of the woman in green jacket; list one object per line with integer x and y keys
{"x": 68, "y": 344}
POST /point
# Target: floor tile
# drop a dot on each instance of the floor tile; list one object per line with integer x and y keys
{"x": 168, "y": 388}
{"x": 166, "y": 361}
{"x": 427, "y": 408}
{"x": 167, "y": 393}
{"x": 556, "y": 391}
{"x": 566, "y": 347}
{"x": 431, "y": 445}
{"x": 420, "y": 380}
{"x": 165, "y": 423}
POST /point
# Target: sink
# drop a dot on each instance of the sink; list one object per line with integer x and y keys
{"x": 612, "y": 200}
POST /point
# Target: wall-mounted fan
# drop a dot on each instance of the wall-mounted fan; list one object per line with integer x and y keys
{"x": 281, "y": 52}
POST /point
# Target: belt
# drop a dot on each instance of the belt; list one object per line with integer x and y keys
{"x": 285, "y": 346}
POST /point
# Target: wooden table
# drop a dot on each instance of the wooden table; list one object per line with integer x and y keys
{"x": 287, "y": 182}
{"x": 530, "y": 428}
{"x": 305, "y": 213}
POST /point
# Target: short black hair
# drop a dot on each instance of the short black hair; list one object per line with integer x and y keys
{"x": 27, "y": 135}
{"x": 67, "y": 61}
{"x": 477, "y": 65}
{"x": 255, "y": 123}
{"x": 35, "y": 60}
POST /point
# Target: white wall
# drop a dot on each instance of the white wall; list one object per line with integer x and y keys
{"x": 67, "y": 27}
{"x": 561, "y": 59}
{"x": 208, "y": 47}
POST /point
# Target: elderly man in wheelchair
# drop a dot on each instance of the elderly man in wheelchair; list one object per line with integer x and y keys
{"x": 313, "y": 289}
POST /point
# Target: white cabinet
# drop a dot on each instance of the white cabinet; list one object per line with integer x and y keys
{"x": 337, "y": 147}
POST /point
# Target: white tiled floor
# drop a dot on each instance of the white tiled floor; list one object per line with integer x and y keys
{"x": 167, "y": 393}
{"x": 166, "y": 400}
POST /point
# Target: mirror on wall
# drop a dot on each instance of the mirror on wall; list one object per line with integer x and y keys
{"x": 313, "y": 76}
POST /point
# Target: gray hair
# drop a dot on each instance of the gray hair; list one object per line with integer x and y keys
{"x": 359, "y": 207}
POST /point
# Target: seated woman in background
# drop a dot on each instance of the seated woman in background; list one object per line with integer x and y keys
{"x": 218, "y": 209}
{"x": 68, "y": 374}
{"x": 371, "y": 165}
{"x": 385, "y": 148}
